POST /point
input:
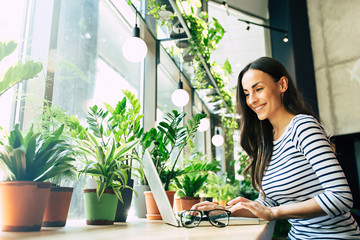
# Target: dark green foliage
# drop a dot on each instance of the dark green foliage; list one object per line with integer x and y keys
{"x": 282, "y": 228}
{"x": 190, "y": 185}
{"x": 167, "y": 137}
{"x": 111, "y": 141}
{"x": 36, "y": 156}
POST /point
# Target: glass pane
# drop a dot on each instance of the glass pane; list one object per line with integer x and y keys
{"x": 166, "y": 85}
{"x": 11, "y": 26}
{"x": 90, "y": 67}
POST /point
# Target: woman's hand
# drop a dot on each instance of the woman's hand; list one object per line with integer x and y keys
{"x": 207, "y": 206}
{"x": 257, "y": 209}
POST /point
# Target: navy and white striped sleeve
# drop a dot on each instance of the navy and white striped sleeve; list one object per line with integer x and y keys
{"x": 265, "y": 202}
{"x": 311, "y": 140}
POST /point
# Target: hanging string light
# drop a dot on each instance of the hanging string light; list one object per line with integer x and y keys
{"x": 217, "y": 139}
{"x": 134, "y": 48}
{"x": 180, "y": 97}
{"x": 285, "y": 39}
{"x": 204, "y": 124}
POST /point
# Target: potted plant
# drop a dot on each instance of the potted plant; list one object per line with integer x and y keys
{"x": 125, "y": 124}
{"x": 195, "y": 173}
{"x": 57, "y": 208}
{"x": 106, "y": 163}
{"x": 28, "y": 160}
{"x": 188, "y": 186}
{"x": 169, "y": 137}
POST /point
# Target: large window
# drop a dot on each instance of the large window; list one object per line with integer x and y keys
{"x": 166, "y": 85}
{"x": 79, "y": 44}
{"x": 90, "y": 67}
{"x": 11, "y": 28}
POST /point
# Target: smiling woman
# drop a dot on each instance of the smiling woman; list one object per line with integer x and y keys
{"x": 262, "y": 93}
{"x": 291, "y": 161}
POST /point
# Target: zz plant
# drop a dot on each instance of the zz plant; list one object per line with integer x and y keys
{"x": 170, "y": 137}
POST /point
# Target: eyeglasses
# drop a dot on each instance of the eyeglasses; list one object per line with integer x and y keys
{"x": 192, "y": 218}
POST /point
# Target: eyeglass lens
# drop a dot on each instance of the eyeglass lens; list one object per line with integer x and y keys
{"x": 190, "y": 219}
{"x": 219, "y": 218}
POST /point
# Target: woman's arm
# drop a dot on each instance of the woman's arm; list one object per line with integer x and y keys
{"x": 306, "y": 209}
{"x": 310, "y": 139}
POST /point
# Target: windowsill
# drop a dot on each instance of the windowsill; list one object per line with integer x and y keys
{"x": 136, "y": 228}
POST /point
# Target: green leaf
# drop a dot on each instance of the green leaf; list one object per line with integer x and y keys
{"x": 6, "y": 48}
{"x": 20, "y": 71}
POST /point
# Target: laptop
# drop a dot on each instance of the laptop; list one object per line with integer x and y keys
{"x": 163, "y": 202}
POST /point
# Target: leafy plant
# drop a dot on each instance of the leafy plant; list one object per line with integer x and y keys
{"x": 109, "y": 151}
{"x": 125, "y": 121}
{"x": 35, "y": 156}
{"x": 220, "y": 188}
{"x": 18, "y": 72}
{"x": 194, "y": 171}
{"x": 190, "y": 185}
{"x": 106, "y": 166}
{"x": 245, "y": 188}
{"x": 165, "y": 139}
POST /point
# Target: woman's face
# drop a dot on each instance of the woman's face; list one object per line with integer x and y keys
{"x": 263, "y": 94}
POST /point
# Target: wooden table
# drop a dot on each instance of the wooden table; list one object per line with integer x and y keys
{"x": 136, "y": 228}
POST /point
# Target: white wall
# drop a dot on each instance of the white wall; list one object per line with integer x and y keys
{"x": 335, "y": 36}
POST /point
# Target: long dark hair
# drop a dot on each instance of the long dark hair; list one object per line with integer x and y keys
{"x": 257, "y": 136}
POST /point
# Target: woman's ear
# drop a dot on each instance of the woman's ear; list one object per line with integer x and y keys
{"x": 283, "y": 84}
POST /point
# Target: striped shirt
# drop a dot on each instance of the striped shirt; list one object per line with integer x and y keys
{"x": 303, "y": 166}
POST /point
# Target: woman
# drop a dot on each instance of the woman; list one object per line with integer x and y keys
{"x": 292, "y": 164}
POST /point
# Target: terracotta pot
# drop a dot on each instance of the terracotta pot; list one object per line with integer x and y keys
{"x": 57, "y": 207}
{"x": 222, "y": 202}
{"x": 188, "y": 202}
{"x": 178, "y": 205}
{"x": 153, "y": 212}
{"x": 23, "y": 205}
{"x": 103, "y": 212}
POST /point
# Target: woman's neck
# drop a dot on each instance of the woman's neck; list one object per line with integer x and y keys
{"x": 280, "y": 123}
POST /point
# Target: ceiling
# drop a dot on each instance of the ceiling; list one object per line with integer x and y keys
{"x": 256, "y": 8}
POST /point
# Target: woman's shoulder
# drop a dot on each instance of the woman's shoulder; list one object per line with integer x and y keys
{"x": 304, "y": 119}
{"x": 305, "y": 124}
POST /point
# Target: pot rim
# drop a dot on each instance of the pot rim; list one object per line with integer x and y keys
{"x": 93, "y": 190}
{"x": 24, "y": 183}
{"x": 61, "y": 189}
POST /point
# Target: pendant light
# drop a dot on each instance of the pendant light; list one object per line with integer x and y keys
{"x": 217, "y": 139}
{"x": 204, "y": 124}
{"x": 134, "y": 49}
{"x": 180, "y": 97}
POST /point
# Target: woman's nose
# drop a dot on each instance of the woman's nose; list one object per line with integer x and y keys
{"x": 252, "y": 99}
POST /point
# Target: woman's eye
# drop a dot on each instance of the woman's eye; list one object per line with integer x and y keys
{"x": 246, "y": 94}
{"x": 259, "y": 89}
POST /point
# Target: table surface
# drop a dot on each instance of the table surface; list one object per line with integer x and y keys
{"x": 137, "y": 228}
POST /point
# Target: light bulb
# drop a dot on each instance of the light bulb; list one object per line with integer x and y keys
{"x": 180, "y": 97}
{"x": 285, "y": 39}
{"x": 134, "y": 49}
{"x": 217, "y": 140}
{"x": 204, "y": 124}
